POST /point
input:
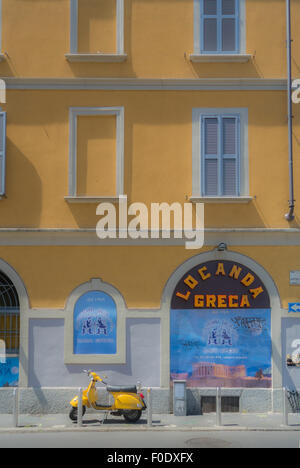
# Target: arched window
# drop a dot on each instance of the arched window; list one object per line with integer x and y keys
{"x": 9, "y": 315}
{"x": 95, "y": 324}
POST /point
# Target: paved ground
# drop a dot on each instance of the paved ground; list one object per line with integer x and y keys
{"x": 148, "y": 444}
{"x": 166, "y": 422}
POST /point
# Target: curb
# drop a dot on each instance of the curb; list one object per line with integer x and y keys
{"x": 33, "y": 430}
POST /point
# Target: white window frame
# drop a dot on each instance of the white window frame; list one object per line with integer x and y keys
{"x": 197, "y": 178}
{"x": 3, "y": 157}
{"x": 76, "y": 112}
{"x": 118, "y": 56}
{"x": 2, "y": 56}
{"x": 198, "y": 56}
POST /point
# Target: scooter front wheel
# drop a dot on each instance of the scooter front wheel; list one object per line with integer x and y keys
{"x": 74, "y": 413}
{"x": 132, "y": 416}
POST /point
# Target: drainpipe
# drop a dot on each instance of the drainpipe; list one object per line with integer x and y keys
{"x": 290, "y": 215}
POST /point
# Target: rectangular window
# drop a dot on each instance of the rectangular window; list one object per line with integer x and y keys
{"x": 220, "y": 154}
{"x": 96, "y": 153}
{"x": 220, "y": 25}
{"x": 96, "y": 31}
{"x": 2, "y": 152}
{"x": 220, "y": 157}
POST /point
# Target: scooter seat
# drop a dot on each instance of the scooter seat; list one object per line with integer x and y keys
{"x": 122, "y": 388}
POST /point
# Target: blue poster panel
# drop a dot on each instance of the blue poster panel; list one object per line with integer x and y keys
{"x": 221, "y": 348}
{"x": 95, "y": 324}
{"x": 9, "y": 372}
{"x": 221, "y": 327}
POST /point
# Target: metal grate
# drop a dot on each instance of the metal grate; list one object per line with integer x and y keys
{"x": 229, "y": 404}
{"x": 9, "y": 315}
{"x": 294, "y": 399}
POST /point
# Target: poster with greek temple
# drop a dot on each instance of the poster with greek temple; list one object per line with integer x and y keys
{"x": 222, "y": 348}
{"x": 220, "y": 328}
{"x": 95, "y": 324}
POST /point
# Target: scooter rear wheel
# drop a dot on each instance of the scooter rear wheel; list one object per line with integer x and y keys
{"x": 74, "y": 413}
{"x": 132, "y": 416}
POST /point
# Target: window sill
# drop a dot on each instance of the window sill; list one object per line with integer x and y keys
{"x": 195, "y": 199}
{"x": 96, "y": 58}
{"x": 220, "y": 58}
{"x": 78, "y": 199}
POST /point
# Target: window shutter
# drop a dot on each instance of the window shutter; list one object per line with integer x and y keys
{"x": 2, "y": 151}
{"x": 211, "y": 135}
{"x": 228, "y": 7}
{"x": 219, "y": 25}
{"x": 229, "y": 175}
{"x": 228, "y": 34}
{"x": 230, "y": 156}
{"x": 229, "y": 23}
{"x": 210, "y": 7}
{"x": 211, "y": 150}
{"x": 210, "y": 35}
{"x": 211, "y": 177}
{"x": 229, "y": 136}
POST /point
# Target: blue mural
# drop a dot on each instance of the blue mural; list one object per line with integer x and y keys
{"x": 230, "y": 348}
{"x": 95, "y": 324}
{"x": 9, "y": 372}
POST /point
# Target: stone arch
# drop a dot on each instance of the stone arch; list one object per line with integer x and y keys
{"x": 276, "y": 307}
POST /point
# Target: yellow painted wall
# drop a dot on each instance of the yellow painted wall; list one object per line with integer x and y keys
{"x": 140, "y": 273}
{"x": 158, "y": 155}
{"x": 96, "y": 155}
{"x": 96, "y": 26}
{"x": 159, "y": 36}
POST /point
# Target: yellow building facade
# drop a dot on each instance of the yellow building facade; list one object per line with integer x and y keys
{"x": 161, "y": 102}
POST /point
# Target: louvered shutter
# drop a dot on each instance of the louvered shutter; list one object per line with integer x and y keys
{"x": 211, "y": 144}
{"x": 230, "y": 127}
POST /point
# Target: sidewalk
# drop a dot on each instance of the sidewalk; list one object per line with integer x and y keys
{"x": 161, "y": 422}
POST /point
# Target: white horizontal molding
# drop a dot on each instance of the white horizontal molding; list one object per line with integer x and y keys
{"x": 96, "y": 58}
{"x": 193, "y": 84}
{"x": 195, "y": 199}
{"x": 83, "y": 199}
{"x": 220, "y": 58}
{"x": 85, "y": 237}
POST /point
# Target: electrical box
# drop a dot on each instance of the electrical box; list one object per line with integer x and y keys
{"x": 179, "y": 398}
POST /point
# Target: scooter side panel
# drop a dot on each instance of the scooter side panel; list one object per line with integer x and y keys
{"x": 127, "y": 401}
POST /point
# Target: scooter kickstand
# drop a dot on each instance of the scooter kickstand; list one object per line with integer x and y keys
{"x": 105, "y": 417}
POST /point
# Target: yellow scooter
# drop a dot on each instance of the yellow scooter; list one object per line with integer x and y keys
{"x": 127, "y": 401}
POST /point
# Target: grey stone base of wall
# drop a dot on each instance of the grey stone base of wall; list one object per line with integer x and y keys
{"x": 57, "y": 400}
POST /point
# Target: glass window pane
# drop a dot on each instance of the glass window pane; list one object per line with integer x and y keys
{"x": 228, "y": 35}
{"x": 211, "y": 136}
{"x": 229, "y": 136}
{"x": 228, "y": 7}
{"x": 211, "y": 177}
{"x": 210, "y": 35}
{"x": 229, "y": 177}
{"x": 210, "y": 7}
